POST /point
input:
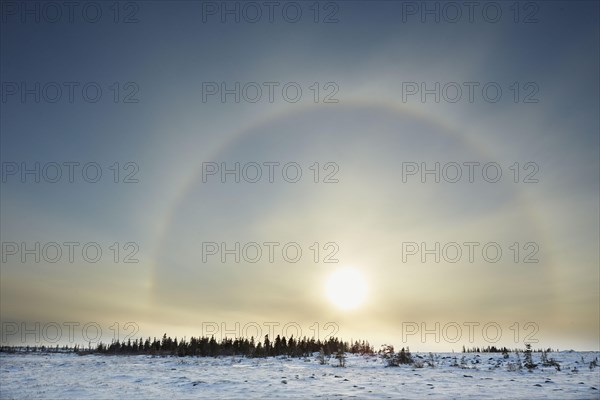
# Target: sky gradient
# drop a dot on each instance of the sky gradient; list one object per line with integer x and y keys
{"x": 370, "y": 122}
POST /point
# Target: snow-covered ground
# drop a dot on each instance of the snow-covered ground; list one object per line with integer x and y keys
{"x": 65, "y": 376}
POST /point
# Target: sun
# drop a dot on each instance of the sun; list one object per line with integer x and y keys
{"x": 346, "y": 288}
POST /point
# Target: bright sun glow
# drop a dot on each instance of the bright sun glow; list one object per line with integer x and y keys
{"x": 346, "y": 288}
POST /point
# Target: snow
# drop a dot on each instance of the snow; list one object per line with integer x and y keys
{"x": 67, "y": 376}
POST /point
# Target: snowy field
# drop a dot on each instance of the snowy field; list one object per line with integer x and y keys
{"x": 482, "y": 376}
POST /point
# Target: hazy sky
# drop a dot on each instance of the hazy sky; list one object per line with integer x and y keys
{"x": 375, "y": 69}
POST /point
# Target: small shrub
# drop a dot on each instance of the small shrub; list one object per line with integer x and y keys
{"x": 404, "y": 357}
{"x": 321, "y": 357}
{"x": 529, "y": 364}
{"x": 431, "y": 361}
{"x": 389, "y": 356}
{"x": 549, "y": 362}
{"x": 341, "y": 357}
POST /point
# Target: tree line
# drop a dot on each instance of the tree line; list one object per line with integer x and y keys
{"x": 210, "y": 347}
{"x": 503, "y": 350}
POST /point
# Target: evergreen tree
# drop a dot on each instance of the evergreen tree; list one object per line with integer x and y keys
{"x": 529, "y": 364}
